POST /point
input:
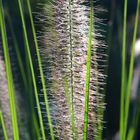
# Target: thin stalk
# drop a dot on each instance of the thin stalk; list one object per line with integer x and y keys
{"x": 88, "y": 73}
{"x": 26, "y": 82}
{"x": 71, "y": 112}
{"x": 41, "y": 70}
{"x": 127, "y": 103}
{"x": 71, "y": 50}
{"x": 123, "y": 72}
{"x": 32, "y": 70}
{"x": 35, "y": 133}
{"x": 135, "y": 122}
{"x": 3, "y": 126}
{"x": 11, "y": 90}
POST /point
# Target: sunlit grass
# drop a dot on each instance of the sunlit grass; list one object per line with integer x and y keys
{"x": 41, "y": 71}
{"x": 126, "y": 90}
{"x": 11, "y": 89}
{"x": 32, "y": 71}
{"x": 123, "y": 76}
{"x": 131, "y": 67}
{"x": 3, "y": 126}
{"x": 88, "y": 74}
{"x": 29, "y": 78}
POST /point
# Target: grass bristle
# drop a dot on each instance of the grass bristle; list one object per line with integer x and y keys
{"x": 64, "y": 38}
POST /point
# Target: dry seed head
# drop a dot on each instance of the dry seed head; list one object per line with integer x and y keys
{"x": 65, "y": 37}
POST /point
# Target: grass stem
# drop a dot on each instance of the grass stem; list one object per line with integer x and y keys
{"x": 123, "y": 72}
{"x": 88, "y": 73}
{"x": 11, "y": 89}
{"x": 41, "y": 70}
{"x": 3, "y": 126}
{"x": 127, "y": 103}
{"x": 32, "y": 71}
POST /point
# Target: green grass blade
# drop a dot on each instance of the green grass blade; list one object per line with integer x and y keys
{"x": 127, "y": 103}
{"x": 135, "y": 122}
{"x": 9, "y": 75}
{"x": 3, "y": 126}
{"x": 35, "y": 133}
{"x": 41, "y": 70}
{"x": 32, "y": 70}
{"x": 88, "y": 73}
{"x": 123, "y": 72}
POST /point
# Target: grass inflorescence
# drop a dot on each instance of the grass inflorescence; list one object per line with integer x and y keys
{"x": 62, "y": 73}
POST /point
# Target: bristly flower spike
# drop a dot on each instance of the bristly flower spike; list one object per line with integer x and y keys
{"x": 69, "y": 45}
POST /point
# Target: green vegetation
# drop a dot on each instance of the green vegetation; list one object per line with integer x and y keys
{"x": 11, "y": 89}
{"x": 58, "y": 89}
{"x": 88, "y": 73}
{"x": 3, "y": 126}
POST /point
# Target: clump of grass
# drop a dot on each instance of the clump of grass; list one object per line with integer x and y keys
{"x": 10, "y": 84}
{"x": 71, "y": 67}
{"x": 126, "y": 90}
{"x": 32, "y": 70}
{"x": 41, "y": 71}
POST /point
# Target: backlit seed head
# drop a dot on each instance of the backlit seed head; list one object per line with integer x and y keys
{"x": 65, "y": 37}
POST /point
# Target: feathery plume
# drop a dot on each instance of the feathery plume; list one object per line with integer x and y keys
{"x": 64, "y": 55}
